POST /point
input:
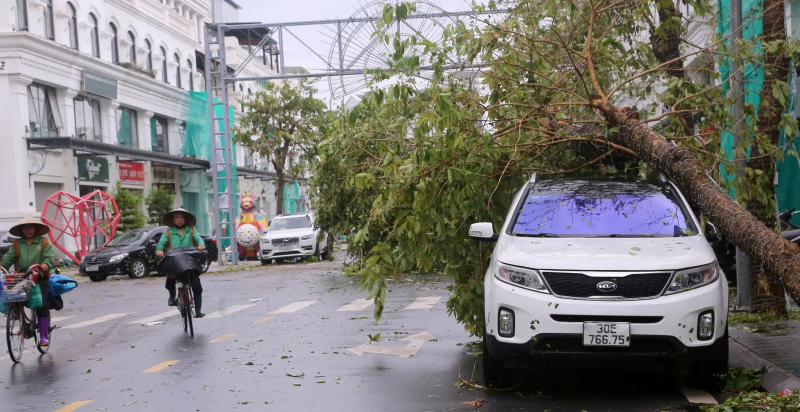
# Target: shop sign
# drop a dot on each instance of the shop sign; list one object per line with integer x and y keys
{"x": 131, "y": 173}
{"x": 98, "y": 84}
{"x": 163, "y": 173}
{"x": 93, "y": 169}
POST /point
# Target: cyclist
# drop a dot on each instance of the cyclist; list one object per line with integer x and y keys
{"x": 30, "y": 249}
{"x": 181, "y": 233}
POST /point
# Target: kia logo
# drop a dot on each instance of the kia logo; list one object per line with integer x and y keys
{"x": 607, "y": 286}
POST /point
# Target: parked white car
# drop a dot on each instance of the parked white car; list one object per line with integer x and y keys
{"x": 594, "y": 270}
{"x": 291, "y": 236}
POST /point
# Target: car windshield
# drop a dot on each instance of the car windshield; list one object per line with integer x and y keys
{"x": 298, "y": 222}
{"x": 602, "y": 209}
{"x": 127, "y": 238}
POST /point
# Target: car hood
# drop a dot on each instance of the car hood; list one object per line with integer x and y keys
{"x": 280, "y": 234}
{"x": 597, "y": 254}
{"x": 108, "y": 251}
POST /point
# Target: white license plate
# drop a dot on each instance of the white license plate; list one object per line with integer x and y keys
{"x": 606, "y": 334}
{"x": 283, "y": 248}
{"x": 93, "y": 268}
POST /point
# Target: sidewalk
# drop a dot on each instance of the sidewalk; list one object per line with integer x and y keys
{"x": 775, "y": 345}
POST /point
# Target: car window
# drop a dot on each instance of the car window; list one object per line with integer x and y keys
{"x": 602, "y": 209}
{"x": 127, "y": 238}
{"x": 298, "y": 222}
{"x": 156, "y": 236}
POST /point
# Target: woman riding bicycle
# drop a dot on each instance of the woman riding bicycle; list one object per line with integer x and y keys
{"x": 30, "y": 249}
{"x": 181, "y": 233}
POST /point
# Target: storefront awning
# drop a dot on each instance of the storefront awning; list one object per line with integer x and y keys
{"x": 81, "y": 147}
{"x": 249, "y": 173}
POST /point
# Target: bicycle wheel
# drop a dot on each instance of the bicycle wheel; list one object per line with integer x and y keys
{"x": 182, "y": 307}
{"x": 38, "y": 339}
{"x": 15, "y": 332}
{"x": 189, "y": 314}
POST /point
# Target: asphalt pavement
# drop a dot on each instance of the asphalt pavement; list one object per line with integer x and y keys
{"x": 294, "y": 337}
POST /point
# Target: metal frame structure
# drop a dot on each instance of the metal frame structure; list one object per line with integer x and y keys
{"x": 262, "y": 36}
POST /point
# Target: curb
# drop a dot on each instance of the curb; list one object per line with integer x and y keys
{"x": 775, "y": 380}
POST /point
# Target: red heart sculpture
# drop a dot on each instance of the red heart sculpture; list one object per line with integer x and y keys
{"x": 79, "y": 219}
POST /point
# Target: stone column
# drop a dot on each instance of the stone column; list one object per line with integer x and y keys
{"x": 110, "y": 133}
{"x": 18, "y": 194}
{"x": 145, "y": 138}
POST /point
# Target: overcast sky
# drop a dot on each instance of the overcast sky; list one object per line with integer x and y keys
{"x": 283, "y": 11}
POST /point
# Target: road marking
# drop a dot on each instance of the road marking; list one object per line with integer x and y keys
{"x": 426, "y": 302}
{"x": 227, "y": 311}
{"x": 414, "y": 344}
{"x": 698, "y": 396}
{"x": 98, "y": 320}
{"x": 161, "y": 366}
{"x": 262, "y": 320}
{"x": 294, "y": 307}
{"x": 60, "y": 318}
{"x": 156, "y": 318}
{"x": 71, "y": 407}
{"x": 356, "y": 305}
{"x": 221, "y": 338}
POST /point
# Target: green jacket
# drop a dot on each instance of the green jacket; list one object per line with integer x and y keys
{"x": 29, "y": 254}
{"x": 178, "y": 240}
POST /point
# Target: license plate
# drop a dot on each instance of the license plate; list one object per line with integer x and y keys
{"x": 93, "y": 268}
{"x": 606, "y": 334}
{"x": 282, "y": 248}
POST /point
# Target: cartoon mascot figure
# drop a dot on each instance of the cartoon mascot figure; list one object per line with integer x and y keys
{"x": 249, "y": 227}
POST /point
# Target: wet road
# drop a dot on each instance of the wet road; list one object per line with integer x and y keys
{"x": 288, "y": 338}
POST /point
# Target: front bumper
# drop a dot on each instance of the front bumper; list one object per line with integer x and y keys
{"x": 303, "y": 249}
{"x": 548, "y": 325}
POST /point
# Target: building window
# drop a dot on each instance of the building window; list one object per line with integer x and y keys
{"x": 22, "y": 14}
{"x": 49, "y": 30}
{"x": 132, "y": 41}
{"x": 191, "y": 74}
{"x": 95, "y": 34}
{"x": 127, "y": 131}
{"x": 73, "y": 26}
{"x": 43, "y": 113}
{"x": 114, "y": 43}
{"x": 164, "y": 65}
{"x": 88, "y": 124}
{"x": 177, "y": 70}
{"x": 149, "y": 59}
{"x": 158, "y": 134}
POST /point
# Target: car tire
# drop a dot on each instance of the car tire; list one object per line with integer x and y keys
{"x": 265, "y": 262}
{"x": 206, "y": 266}
{"x": 317, "y": 253}
{"x": 711, "y": 373}
{"x": 97, "y": 278}
{"x": 325, "y": 254}
{"x": 137, "y": 269}
{"x": 494, "y": 373}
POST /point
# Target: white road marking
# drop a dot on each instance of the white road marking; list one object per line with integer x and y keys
{"x": 98, "y": 320}
{"x": 294, "y": 307}
{"x": 156, "y": 318}
{"x": 356, "y": 305}
{"x": 59, "y": 318}
{"x": 414, "y": 344}
{"x": 227, "y": 311}
{"x": 426, "y": 302}
{"x": 698, "y": 396}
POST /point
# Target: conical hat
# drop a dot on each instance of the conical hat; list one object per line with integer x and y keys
{"x": 169, "y": 217}
{"x": 41, "y": 228}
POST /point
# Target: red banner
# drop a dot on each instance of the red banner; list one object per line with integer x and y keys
{"x": 131, "y": 173}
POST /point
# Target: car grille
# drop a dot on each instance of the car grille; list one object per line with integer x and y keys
{"x": 653, "y": 345}
{"x": 289, "y": 241}
{"x": 601, "y": 318}
{"x": 578, "y": 285}
{"x": 94, "y": 260}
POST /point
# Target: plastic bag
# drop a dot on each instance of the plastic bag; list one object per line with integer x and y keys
{"x": 60, "y": 284}
{"x": 182, "y": 262}
{"x": 35, "y": 298}
{"x": 4, "y": 308}
{"x": 55, "y": 302}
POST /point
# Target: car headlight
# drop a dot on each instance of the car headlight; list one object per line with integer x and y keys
{"x": 524, "y": 278}
{"x": 117, "y": 258}
{"x": 693, "y": 278}
{"x": 306, "y": 237}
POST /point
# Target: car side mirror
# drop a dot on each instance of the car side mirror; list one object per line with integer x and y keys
{"x": 711, "y": 232}
{"x": 482, "y": 232}
{"x": 151, "y": 242}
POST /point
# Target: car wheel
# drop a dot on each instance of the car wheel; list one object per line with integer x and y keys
{"x": 206, "y": 265}
{"x": 317, "y": 253}
{"x": 325, "y": 254}
{"x": 265, "y": 262}
{"x": 494, "y": 373}
{"x": 138, "y": 269}
{"x": 97, "y": 278}
{"x": 711, "y": 373}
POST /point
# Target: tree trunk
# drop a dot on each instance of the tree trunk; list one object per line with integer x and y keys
{"x": 778, "y": 256}
{"x": 279, "y": 191}
{"x": 767, "y": 292}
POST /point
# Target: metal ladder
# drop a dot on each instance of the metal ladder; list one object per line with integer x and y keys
{"x": 221, "y": 144}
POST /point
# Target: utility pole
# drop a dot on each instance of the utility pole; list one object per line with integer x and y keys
{"x": 743, "y": 292}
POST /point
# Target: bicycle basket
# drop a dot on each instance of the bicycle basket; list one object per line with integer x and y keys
{"x": 15, "y": 289}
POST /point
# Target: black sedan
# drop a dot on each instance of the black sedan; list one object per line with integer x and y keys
{"x": 6, "y": 239}
{"x": 132, "y": 253}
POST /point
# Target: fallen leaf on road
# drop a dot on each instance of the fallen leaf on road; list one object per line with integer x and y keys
{"x": 477, "y": 403}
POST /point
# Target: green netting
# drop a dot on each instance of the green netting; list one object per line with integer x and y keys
{"x": 291, "y": 195}
{"x": 125, "y": 137}
{"x": 753, "y": 72}
{"x": 786, "y": 192}
{"x": 198, "y": 144}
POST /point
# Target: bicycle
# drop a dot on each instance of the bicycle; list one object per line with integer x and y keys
{"x": 185, "y": 302}
{"x": 19, "y": 326}
{"x": 183, "y": 288}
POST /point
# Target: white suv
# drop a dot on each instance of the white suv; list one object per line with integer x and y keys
{"x": 603, "y": 269}
{"x": 291, "y": 236}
